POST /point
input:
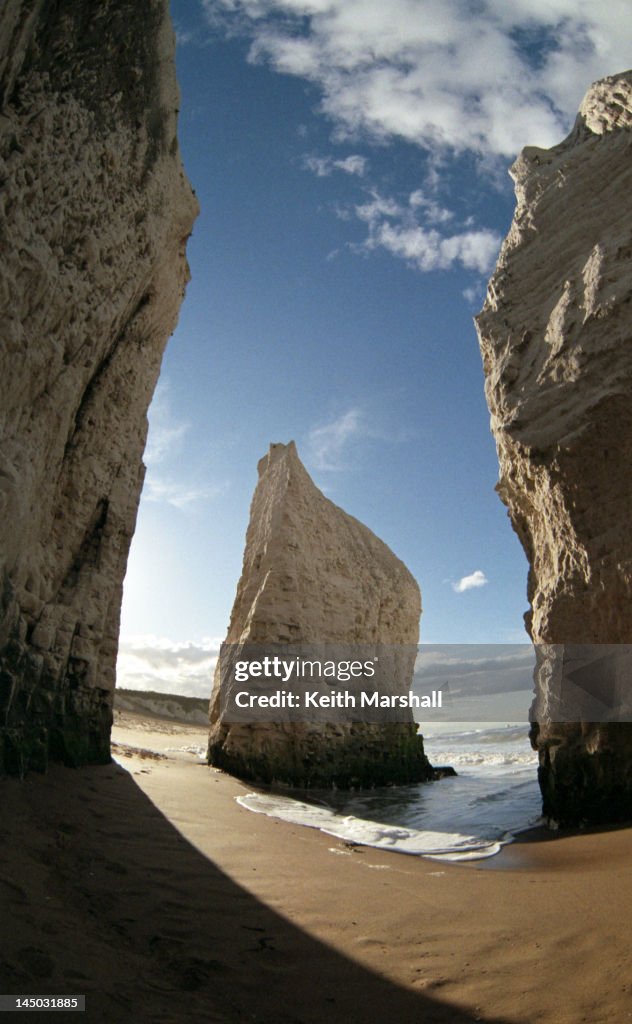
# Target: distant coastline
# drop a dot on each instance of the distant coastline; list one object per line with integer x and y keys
{"x": 171, "y": 706}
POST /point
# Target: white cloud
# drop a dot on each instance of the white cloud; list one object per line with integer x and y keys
{"x": 488, "y": 77}
{"x": 167, "y": 666}
{"x": 377, "y": 208}
{"x": 473, "y": 295}
{"x": 471, "y": 582}
{"x": 428, "y": 250}
{"x": 165, "y": 444}
{"x": 166, "y": 431}
{"x": 397, "y": 228}
{"x": 450, "y": 76}
{"x": 329, "y": 443}
{"x": 434, "y": 213}
{"x": 183, "y": 38}
{"x": 352, "y": 165}
{"x": 178, "y": 494}
{"x": 323, "y": 166}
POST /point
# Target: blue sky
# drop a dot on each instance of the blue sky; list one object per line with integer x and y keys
{"x": 350, "y": 158}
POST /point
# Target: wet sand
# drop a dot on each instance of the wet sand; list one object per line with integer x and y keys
{"x": 144, "y": 885}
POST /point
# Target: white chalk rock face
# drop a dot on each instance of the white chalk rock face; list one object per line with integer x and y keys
{"x": 313, "y": 575}
{"x": 556, "y": 339}
{"x": 95, "y": 211}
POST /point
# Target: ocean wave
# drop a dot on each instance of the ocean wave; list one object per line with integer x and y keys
{"x": 497, "y": 735}
{"x": 482, "y": 758}
{"x": 448, "y": 846}
{"x": 191, "y": 748}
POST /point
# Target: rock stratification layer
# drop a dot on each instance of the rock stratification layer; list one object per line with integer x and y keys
{"x": 95, "y": 213}
{"x": 313, "y": 575}
{"x": 555, "y": 335}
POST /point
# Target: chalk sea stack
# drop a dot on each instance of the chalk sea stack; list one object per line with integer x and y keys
{"x": 556, "y": 339}
{"x": 314, "y": 575}
{"x": 95, "y": 213}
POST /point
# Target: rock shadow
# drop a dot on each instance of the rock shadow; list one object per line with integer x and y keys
{"x": 100, "y": 894}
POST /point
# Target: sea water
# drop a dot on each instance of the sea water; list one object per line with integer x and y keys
{"x": 472, "y": 815}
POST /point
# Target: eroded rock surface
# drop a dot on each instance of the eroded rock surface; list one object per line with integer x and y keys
{"x": 94, "y": 215}
{"x": 314, "y": 575}
{"x": 555, "y": 335}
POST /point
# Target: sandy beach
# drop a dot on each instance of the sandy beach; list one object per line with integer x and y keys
{"x": 145, "y": 886}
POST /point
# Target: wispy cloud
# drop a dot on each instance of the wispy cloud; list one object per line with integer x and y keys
{"x": 434, "y": 214}
{"x": 324, "y": 166}
{"x": 179, "y": 495}
{"x": 329, "y": 443}
{"x": 167, "y": 666}
{"x": 486, "y": 77}
{"x": 165, "y": 444}
{"x": 473, "y": 295}
{"x": 411, "y": 232}
{"x": 166, "y": 432}
{"x": 183, "y": 38}
{"x": 333, "y": 445}
{"x": 471, "y": 582}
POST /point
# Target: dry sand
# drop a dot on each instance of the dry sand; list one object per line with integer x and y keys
{"x": 149, "y": 889}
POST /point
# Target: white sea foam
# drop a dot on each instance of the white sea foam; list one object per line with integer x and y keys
{"x": 193, "y": 748}
{"x": 494, "y": 796}
{"x": 450, "y": 846}
{"x": 492, "y": 759}
{"x": 496, "y": 748}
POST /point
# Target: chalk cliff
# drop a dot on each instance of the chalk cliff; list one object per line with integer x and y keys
{"x": 555, "y": 335}
{"x": 313, "y": 575}
{"x": 95, "y": 211}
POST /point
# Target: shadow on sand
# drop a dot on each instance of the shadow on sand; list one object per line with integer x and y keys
{"x": 101, "y": 895}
